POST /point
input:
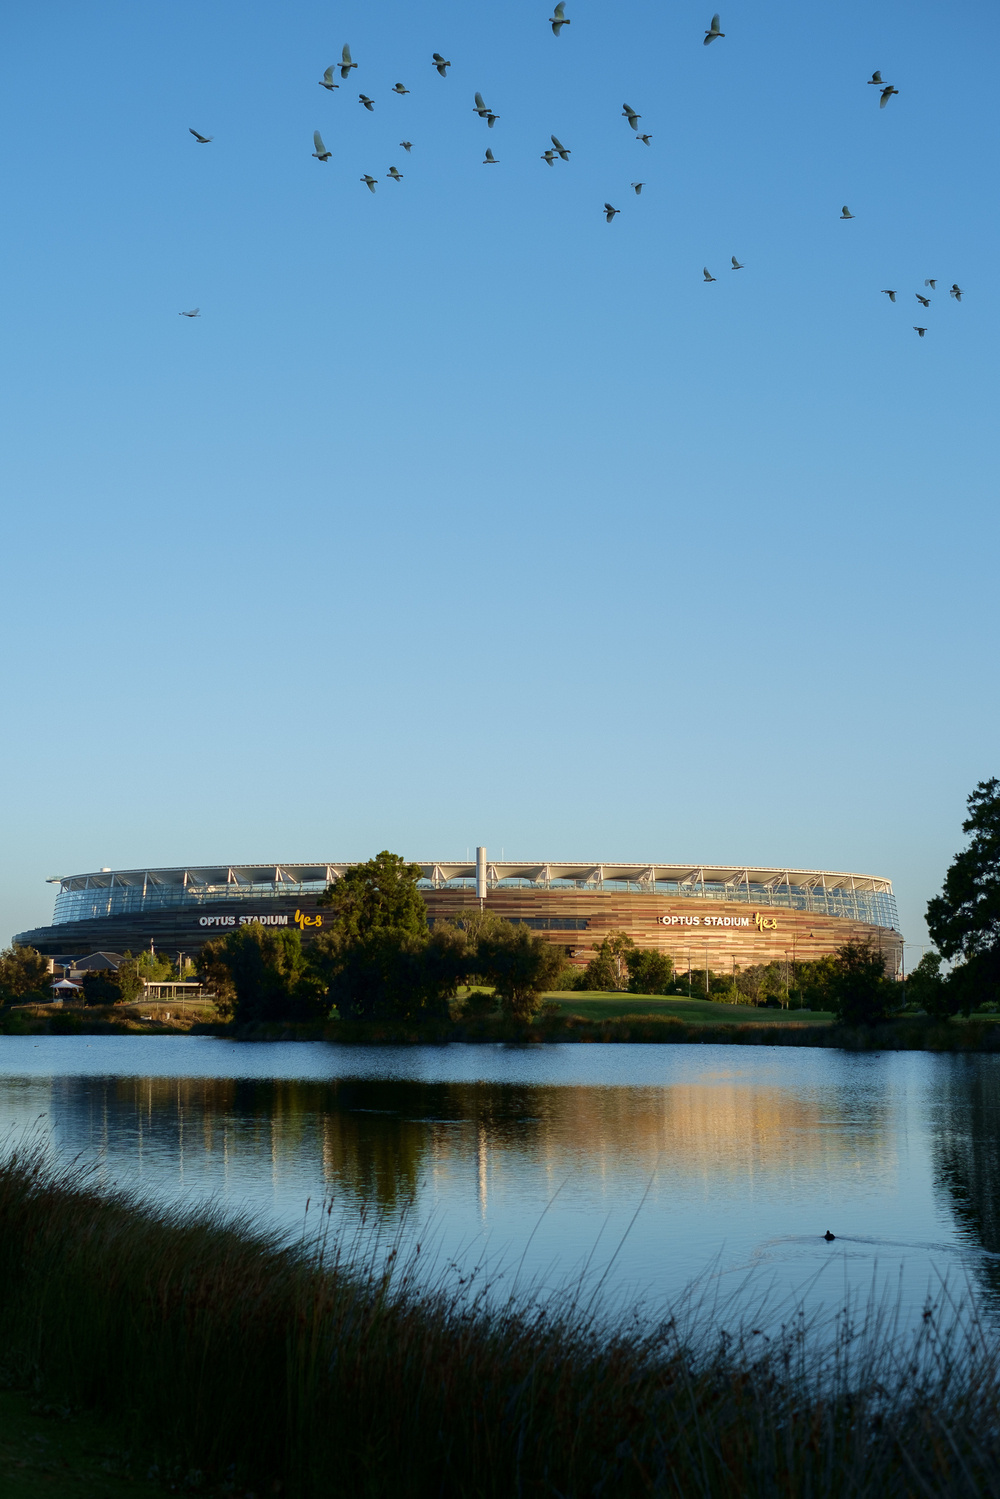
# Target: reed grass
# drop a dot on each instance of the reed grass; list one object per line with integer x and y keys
{"x": 311, "y": 1370}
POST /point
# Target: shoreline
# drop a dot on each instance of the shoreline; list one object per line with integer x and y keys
{"x": 909, "y": 1033}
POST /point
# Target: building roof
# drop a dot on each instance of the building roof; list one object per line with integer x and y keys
{"x": 217, "y": 877}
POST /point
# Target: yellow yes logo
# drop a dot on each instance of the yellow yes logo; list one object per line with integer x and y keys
{"x": 765, "y": 923}
{"x": 302, "y": 920}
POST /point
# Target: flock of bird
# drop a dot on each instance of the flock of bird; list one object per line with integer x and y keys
{"x": 557, "y": 151}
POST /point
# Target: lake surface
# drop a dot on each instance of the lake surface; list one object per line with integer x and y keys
{"x": 642, "y": 1168}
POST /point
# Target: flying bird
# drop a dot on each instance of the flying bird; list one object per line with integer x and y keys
{"x": 195, "y": 312}
{"x": 346, "y": 63}
{"x": 736, "y": 264}
{"x": 628, "y": 113}
{"x": 327, "y": 79}
{"x": 489, "y": 160}
{"x": 931, "y": 284}
{"x": 876, "y": 78}
{"x": 398, "y": 88}
{"x": 484, "y": 111}
{"x": 610, "y": 212}
{"x": 638, "y": 187}
{"x": 491, "y": 119}
{"x": 956, "y": 291}
{"x": 845, "y": 212}
{"x": 706, "y": 275}
{"x": 549, "y": 156}
{"x": 203, "y": 140}
{"x": 890, "y": 294}
{"x": 396, "y": 176}
{"x": 441, "y": 65}
{"x": 369, "y": 182}
{"x": 406, "y": 145}
{"x": 368, "y": 103}
{"x": 644, "y": 138}
{"x": 557, "y": 20}
{"x": 713, "y": 31}
{"x": 320, "y": 153}
{"x": 919, "y": 331}
{"x": 924, "y": 301}
{"x": 887, "y": 94}
{"x": 564, "y": 151}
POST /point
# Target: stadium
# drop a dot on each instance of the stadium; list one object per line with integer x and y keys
{"x": 701, "y": 915}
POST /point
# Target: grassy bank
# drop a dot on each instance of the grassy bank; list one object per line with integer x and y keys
{"x": 239, "y": 1359}
{"x": 607, "y": 1019}
{"x": 168, "y": 1018}
{"x": 915, "y": 1033}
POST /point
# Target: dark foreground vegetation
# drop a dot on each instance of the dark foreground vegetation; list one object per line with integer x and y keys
{"x": 239, "y": 1364}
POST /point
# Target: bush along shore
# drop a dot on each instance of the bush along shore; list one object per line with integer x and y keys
{"x": 262, "y": 1367}
{"x": 908, "y": 1033}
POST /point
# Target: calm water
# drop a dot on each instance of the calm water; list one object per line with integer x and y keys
{"x": 656, "y": 1165}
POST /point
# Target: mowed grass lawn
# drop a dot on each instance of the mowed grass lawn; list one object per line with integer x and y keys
{"x": 596, "y": 1006}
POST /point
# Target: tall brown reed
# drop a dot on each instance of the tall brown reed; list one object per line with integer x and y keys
{"x": 225, "y": 1350}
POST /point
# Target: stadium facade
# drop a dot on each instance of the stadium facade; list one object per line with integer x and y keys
{"x": 702, "y": 915}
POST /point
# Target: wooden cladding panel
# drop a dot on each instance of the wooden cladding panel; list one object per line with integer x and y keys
{"x": 796, "y": 937}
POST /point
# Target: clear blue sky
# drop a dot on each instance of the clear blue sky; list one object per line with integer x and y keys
{"x": 460, "y": 515}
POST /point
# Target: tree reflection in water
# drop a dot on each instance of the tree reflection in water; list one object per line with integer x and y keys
{"x": 967, "y": 1153}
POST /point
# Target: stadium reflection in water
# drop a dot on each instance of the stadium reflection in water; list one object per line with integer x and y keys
{"x": 537, "y": 1159}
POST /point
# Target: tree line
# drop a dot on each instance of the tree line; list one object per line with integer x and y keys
{"x": 378, "y": 958}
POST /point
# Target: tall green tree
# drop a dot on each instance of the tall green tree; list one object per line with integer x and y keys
{"x": 519, "y": 965}
{"x": 858, "y": 991}
{"x": 268, "y": 973}
{"x": 649, "y": 971}
{"x": 964, "y": 920}
{"x": 375, "y": 896}
{"x": 929, "y": 988}
{"x": 23, "y": 971}
{"x": 377, "y": 957}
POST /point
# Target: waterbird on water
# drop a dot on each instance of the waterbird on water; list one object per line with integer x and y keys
{"x": 828, "y": 1236}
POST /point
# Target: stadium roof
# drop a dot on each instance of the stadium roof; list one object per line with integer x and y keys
{"x": 541, "y": 873}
